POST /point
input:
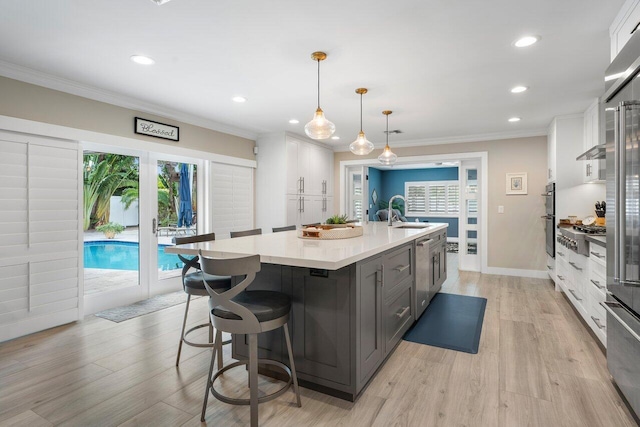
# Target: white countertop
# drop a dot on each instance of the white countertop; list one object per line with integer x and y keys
{"x": 285, "y": 248}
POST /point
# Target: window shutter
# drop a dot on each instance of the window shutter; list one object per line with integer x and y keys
{"x": 437, "y": 199}
{"x": 453, "y": 199}
{"x": 416, "y": 196}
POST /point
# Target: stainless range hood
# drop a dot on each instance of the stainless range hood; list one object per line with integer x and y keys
{"x": 594, "y": 153}
{"x": 596, "y": 170}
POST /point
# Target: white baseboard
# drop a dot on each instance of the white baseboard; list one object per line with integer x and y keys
{"x": 535, "y": 274}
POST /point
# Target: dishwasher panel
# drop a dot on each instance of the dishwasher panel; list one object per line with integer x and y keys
{"x": 423, "y": 276}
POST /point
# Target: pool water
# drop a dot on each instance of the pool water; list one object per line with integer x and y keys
{"x": 113, "y": 255}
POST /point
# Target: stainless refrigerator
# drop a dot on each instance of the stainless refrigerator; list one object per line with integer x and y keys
{"x": 621, "y": 108}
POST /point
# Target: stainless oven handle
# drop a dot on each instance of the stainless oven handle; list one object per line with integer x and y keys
{"x": 608, "y": 306}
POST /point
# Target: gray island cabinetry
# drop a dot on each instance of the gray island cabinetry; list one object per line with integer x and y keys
{"x": 346, "y": 321}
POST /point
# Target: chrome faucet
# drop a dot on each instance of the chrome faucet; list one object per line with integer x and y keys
{"x": 390, "y": 213}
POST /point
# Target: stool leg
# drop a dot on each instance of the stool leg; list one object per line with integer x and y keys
{"x": 184, "y": 325}
{"x": 293, "y": 366}
{"x": 210, "y": 331}
{"x": 253, "y": 378}
{"x": 209, "y": 383}
{"x": 218, "y": 346}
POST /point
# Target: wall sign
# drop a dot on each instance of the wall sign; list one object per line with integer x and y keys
{"x": 158, "y": 130}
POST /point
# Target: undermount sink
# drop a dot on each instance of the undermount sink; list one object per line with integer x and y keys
{"x": 411, "y": 225}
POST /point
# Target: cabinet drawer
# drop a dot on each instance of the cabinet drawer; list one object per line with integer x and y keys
{"x": 398, "y": 266}
{"x": 398, "y": 317}
{"x": 598, "y": 267}
{"x": 597, "y": 316}
{"x": 597, "y": 253}
{"x": 597, "y": 282}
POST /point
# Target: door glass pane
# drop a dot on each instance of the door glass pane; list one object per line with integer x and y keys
{"x": 110, "y": 222}
{"x": 356, "y": 197}
{"x": 177, "y": 211}
{"x": 472, "y": 242}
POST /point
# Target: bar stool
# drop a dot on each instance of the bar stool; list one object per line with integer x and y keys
{"x": 238, "y": 311}
{"x": 193, "y": 284}
{"x": 287, "y": 228}
{"x": 253, "y": 232}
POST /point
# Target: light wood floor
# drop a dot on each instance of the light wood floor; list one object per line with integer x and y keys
{"x": 537, "y": 366}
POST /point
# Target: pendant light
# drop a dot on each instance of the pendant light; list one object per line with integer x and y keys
{"x": 361, "y": 146}
{"x": 319, "y": 127}
{"x": 387, "y": 157}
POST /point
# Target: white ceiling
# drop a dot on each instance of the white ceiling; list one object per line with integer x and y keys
{"x": 444, "y": 67}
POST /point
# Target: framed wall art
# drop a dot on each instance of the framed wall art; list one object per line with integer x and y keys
{"x": 517, "y": 183}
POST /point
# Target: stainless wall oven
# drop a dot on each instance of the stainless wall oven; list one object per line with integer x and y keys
{"x": 550, "y": 218}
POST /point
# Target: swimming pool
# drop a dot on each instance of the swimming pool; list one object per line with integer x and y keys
{"x": 114, "y": 255}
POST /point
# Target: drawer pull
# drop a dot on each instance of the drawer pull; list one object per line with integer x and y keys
{"x": 549, "y": 267}
{"x": 560, "y": 277}
{"x": 401, "y": 313}
{"x": 560, "y": 253}
{"x": 597, "y": 255}
{"x": 574, "y": 295}
{"x": 573, "y": 264}
{"x": 402, "y": 268}
{"x": 595, "y": 282}
{"x": 597, "y": 322}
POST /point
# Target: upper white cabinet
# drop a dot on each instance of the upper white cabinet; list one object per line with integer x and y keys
{"x": 591, "y": 129}
{"x": 40, "y": 216}
{"x": 293, "y": 181}
{"x": 551, "y": 153}
{"x": 624, "y": 25}
{"x": 564, "y": 144}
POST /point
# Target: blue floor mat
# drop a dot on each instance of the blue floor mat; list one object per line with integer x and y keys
{"x": 450, "y": 321}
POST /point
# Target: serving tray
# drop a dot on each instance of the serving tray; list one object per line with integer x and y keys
{"x": 330, "y": 232}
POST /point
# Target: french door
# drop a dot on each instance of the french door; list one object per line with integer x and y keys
{"x": 150, "y": 204}
{"x": 469, "y": 228}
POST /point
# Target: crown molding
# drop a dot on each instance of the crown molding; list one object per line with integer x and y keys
{"x": 458, "y": 139}
{"x": 28, "y": 75}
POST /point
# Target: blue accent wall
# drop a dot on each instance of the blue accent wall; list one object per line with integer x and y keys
{"x": 390, "y": 182}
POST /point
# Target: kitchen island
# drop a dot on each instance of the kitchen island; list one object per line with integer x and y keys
{"x": 353, "y": 299}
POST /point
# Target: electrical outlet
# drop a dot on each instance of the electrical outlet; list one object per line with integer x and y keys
{"x": 500, "y": 209}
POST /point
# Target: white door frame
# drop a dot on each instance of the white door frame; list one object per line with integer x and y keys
{"x": 483, "y": 156}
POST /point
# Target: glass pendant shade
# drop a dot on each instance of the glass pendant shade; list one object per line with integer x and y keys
{"x": 361, "y": 146}
{"x": 319, "y": 127}
{"x": 387, "y": 157}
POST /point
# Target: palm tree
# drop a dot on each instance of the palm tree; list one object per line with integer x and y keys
{"x": 104, "y": 175}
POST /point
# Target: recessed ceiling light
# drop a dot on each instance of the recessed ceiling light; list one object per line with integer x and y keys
{"x": 335, "y": 137}
{"x": 526, "y": 41}
{"x": 294, "y": 121}
{"x": 514, "y": 119}
{"x": 519, "y": 89}
{"x": 143, "y": 60}
{"x": 239, "y": 99}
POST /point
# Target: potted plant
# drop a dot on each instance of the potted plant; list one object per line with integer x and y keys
{"x": 337, "y": 220}
{"x": 110, "y": 229}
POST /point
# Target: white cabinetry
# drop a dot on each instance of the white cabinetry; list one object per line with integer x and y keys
{"x": 564, "y": 144}
{"x": 591, "y": 128}
{"x": 40, "y": 242}
{"x": 596, "y": 287}
{"x": 293, "y": 181}
{"x": 624, "y": 25}
{"x": 551, "y": 153}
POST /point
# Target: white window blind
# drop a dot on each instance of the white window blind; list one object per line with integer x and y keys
{"x": 432, "y": 198}
{"x": 232, "y": 198}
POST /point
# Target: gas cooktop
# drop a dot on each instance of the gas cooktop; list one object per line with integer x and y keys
{"x": 591, "y": 229}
